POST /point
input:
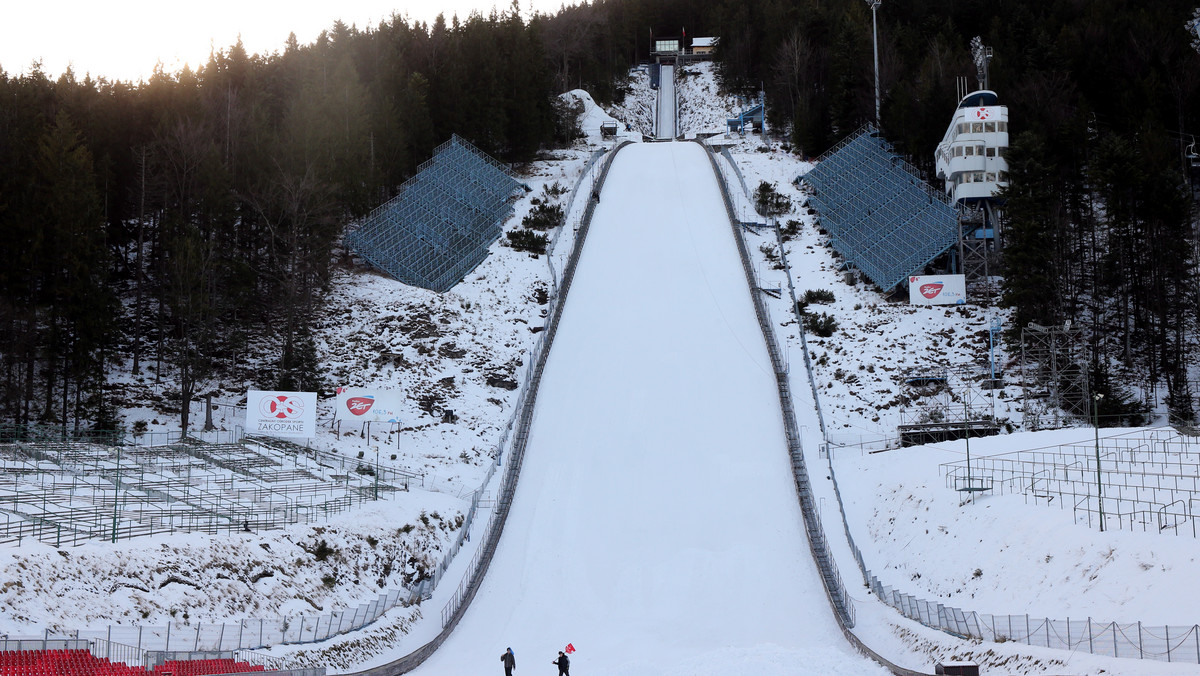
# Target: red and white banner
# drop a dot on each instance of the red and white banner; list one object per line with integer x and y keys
{"x": 366, "y": 405}
{"x": 986, "y": 114}
{"x": 937, "y": 290}
{"x": 281, "y": 414}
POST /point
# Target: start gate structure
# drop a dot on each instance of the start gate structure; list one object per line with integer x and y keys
{"x": 440, "y": 225}
{"x": 882, "y": 217}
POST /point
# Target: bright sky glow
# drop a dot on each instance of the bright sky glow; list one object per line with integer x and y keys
{"x": 122, "y": 40}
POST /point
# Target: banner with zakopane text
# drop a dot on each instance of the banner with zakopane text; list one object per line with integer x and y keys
{"x": 281, "y": 414}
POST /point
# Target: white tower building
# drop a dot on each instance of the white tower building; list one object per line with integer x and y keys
{"x": 971, "y": 157}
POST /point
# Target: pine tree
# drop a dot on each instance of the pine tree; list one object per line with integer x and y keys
{"x": 1034, "y": 217}
{"x": 72, "y": 266}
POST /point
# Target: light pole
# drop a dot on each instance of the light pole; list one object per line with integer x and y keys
{"x": 875, "y": 39}
{"x": 1099, "y": 484}
{"x": 116, "y": 495}
{"x": 967, "y": 416}
{"x": 970, "y": 482}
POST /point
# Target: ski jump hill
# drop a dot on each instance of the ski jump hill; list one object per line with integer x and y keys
{"x": 656, "y": 445}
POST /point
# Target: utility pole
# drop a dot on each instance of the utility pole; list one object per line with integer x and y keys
{"x": 1099, "y": 484}
{"x": 116, "y": 495}
{"x": 967, "y": 417}
{"x": 875, "y": 39}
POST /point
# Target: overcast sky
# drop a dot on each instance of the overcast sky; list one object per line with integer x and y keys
{"x": 123, "y": 39}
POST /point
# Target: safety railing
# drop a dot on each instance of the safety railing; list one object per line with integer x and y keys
{"x": 834, "y": 587}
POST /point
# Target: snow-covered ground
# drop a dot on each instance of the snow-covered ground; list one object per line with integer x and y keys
{"x": 460, "y": 351}
{"x": 637, "y": 532}
{"x": 638, "y": 107}
{"x": 703, "y": 108}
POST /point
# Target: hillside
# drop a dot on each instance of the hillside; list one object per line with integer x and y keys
{"x": 458, "y": 356}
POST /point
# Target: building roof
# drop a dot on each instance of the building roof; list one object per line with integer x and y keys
{"x": 983, "y": 97}
{"x": 704, "y": 42}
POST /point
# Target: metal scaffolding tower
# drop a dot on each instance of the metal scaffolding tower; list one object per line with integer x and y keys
{"x": 979, "y": 250}
{"x": 947, "y": 402}
{"x": 1054, "y": 374}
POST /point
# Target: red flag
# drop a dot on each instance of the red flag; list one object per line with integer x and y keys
{"x": 570, "y": 648}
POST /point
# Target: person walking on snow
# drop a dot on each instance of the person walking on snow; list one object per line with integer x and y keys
{"x": 510, "y": 662}
{"x": 564, "y": 664}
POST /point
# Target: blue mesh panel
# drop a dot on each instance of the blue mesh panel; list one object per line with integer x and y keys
{"x": 441, "y": 223}
{"x": 881, "y": 217}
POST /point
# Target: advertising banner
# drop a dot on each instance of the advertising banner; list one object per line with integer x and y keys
{"x": 366, "y": 405}
{"x": 281, "y": 414}
{"x": 937, "y": 290}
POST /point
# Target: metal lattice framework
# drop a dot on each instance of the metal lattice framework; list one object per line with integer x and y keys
{"x": 440, "y": 225}
{"x": 951, "y": 395}
{"x": 882, "y": 217}
{"x": 67, "y": 492}
{"x": 1054, "y": 374}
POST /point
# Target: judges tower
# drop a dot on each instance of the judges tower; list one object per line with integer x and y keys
{"x": 971, "y": 161}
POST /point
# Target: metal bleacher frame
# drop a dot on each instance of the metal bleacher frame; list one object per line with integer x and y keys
{"x": 882, "y": 217}
{"x": 66, "y": 492}
{"x": 441, "y": 223}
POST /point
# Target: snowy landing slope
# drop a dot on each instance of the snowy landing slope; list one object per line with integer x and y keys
{"x": 638, "y": 530}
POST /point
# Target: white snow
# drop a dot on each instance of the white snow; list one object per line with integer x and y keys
{"x": 655, "y": 526}
{"x": 593, "y": 117}
{"x": 637, "y": 108}
{"x": 637, "y": 531}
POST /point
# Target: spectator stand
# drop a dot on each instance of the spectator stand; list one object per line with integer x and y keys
{"x": 439, "y": 226}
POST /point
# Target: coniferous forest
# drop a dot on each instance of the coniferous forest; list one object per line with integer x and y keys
{"x": 170, "y": 225}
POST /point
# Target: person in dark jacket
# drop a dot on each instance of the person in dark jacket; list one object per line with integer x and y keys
{"x": 564, "y": 664}
{"x": 510, "y": 662}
